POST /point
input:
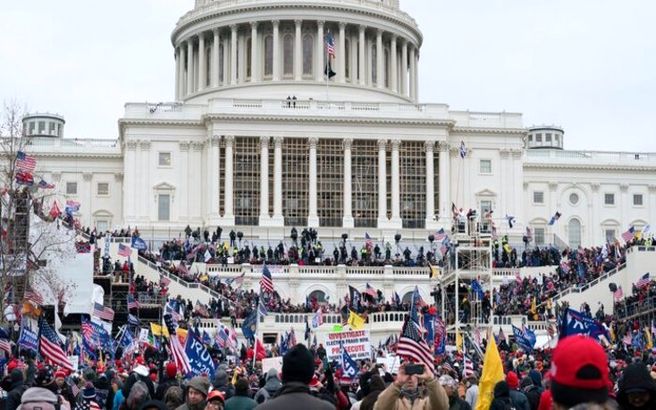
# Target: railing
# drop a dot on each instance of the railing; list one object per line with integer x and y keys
{"x": 177, "y": 279}
{"x": 582, "y": 288}
{"x": 641, "y": 248}
{"x": 635, "y": 309}
{"x": 626, "y": 158}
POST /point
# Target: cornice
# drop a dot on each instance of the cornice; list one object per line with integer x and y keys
{"x": 592, "y": 167}
{"x": 310, "y": 119}
{"x": 178, "y": 123}
{"x": 77, "y": 155}
{"x": 476, "y": 130}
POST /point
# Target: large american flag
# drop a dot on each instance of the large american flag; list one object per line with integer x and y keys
{"x": 25, "y": 163}
{"x": 125, "y": 251}
{"x": 132, "y": 302}
{"x": 50, "y": 348}
{"x": 643, "y": 282}
{"x": 412, "y": 346}
{"x": 32, "y": 296}
{"x": 177, "y": 350}
{"x": 103, "y": 312}
{"x": 266, "y": 283}
{"x": 330, "y": 44}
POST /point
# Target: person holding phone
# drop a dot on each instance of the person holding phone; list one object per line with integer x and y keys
{"x": 405, "y": 393}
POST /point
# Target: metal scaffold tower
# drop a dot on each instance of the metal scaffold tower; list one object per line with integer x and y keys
{"x": 15, "y": 208}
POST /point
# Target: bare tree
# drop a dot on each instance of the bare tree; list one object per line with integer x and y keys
{"x": 31, "y": 240}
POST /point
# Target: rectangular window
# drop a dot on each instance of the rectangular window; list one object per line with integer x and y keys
{"x": 164, "y": 159}
{"x": 539, "y": 236}
{"x": 102, "y": 188}
{"x": 486, "y": 205}
{"x": 538, "y": 197}
{"x": 609, "y": 199}
{"x": 71, "y": 188}
{"x": 102, "y": 225}
{"x": 486, "y": 166}
{"x": 163, "y": 207}
{"x": 610, "y": 235}
{"x": 538, "y": 137}
{"x": 42, "y": 127}
{"x": 637, "y": 199}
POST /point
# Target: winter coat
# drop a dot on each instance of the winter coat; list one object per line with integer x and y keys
{"x": 240, "y": 403}
{"x": 636, "y": 378}
{"x": 519, "y": 400}
{"x": 163, "y": 387}
{"x": 270, "y": 389}
{"x": 295, "y": 396}
{"x": 502, "y": 399}
{"x": 16, "y": 391}
{"x": 436, "y": 399}
{"x": 221, "y": 383}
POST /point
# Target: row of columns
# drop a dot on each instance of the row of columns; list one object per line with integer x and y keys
{"x": 277, "y": 219}
{"x": 191, "y": 64}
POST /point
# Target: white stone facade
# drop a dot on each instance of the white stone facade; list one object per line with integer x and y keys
{"x": 357, "y": 153}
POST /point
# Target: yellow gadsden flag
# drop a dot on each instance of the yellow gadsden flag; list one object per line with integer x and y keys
{"x": 159, "y": 330}
{"x": 355, "y": 321}
{"x": 492, "y": 374}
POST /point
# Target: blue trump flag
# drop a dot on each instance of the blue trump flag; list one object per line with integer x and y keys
{"x": 349, "y": 366}
{"x": 249, "y": 325}
{"x": 575, "y": 323}
{"x": 139, "y": 244}
{"x": 199, "y": 358}
{"x": 28, "y": 338}
{"x": 522, "y": 340}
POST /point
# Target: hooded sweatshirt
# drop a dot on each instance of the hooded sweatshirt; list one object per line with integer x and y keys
{"x": 636, "y": 378}
{"x": 271, "y": 387}
{"x": 221, "y": 383}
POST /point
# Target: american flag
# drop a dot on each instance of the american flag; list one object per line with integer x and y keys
{"x": 164, "y": 281}
{"x": 628, "y": 235}
{"x": 45, "y": 185}
{"x": 371, "y": 291}
{"x": 317, "y": 319}
{"x": 330, "y": 44}
{"x": 5, "y": 345}
{"x": 33, "y": 297}
{"x": 238, "y": 281}
{"x": 468, "y": 367}
{"x": 618, "y": 294}
{"x": 221, "y": 337}
{"x": 177, "y": 350}
{"x": 132, "y": 302}
{"x": 25, "y": 163}
{"x": 413, "y": 346}
{"x": 103, "y": 312}
{"x": 124, "y": 250}
{"x": 266, "y": 283}
{"x": 51, "y": 349}
{"x": 643, "y": 282}
{"x": 292, "y": 338}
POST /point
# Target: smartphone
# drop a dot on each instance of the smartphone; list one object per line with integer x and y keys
{"x": 413, "y": 368}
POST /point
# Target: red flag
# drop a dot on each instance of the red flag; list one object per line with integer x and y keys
{"x": 261, "y": 351}
{"x": 54, "y": 210}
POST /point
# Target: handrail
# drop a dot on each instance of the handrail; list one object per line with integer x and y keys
{"x": 586, "y": 286}
{"x": 178, "y": 279}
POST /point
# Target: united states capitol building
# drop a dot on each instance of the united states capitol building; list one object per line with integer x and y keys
{"x": 258, "y": 138}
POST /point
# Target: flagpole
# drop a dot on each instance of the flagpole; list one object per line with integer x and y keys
{"x": 257, "y": 324}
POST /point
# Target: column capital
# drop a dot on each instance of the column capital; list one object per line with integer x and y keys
{"x": 184, "y": 145}
{"x": 229, "y": 139}
{"x": 215, "y": 140}
{"x": 382, "y": 144}
{"x": 312, "y": 142}
{"x": 429, "y": 146}
{"x": 443, "y": 146}
{"x": 298, "y": 22}
{"x": 362, "y": 28}
{"x": 651, "y": 188}
{"x": 342, "y": 25}
{"x": 87, "y": 176}
{"x": 197, "y": 145}
{"x": 264, "y": 142}
{"x": 347, "y": 143}
{"x": 624, "y": 187}
{"x": 131, "y": 145}
{"x": 320, "y": 23}
{"x": 278, "y": 141}
{"x": 379, "y": 32}
{"x": 396, "y": 143}
{"x": 254, "y": 24}
{"x": 144, "y": 145}
{"x": 276, "y": 23}
{"x": 118, "y": 176}
{"x": 216, "y": 31}
{"x": 393, "y": 37}
{"x": 594, "y": 186}
{"x": 233, "y": 27}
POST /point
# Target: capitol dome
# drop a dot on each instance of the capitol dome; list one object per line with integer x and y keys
{"x": 276, "y": 48}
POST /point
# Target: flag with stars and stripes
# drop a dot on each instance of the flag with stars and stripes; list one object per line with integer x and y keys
{"x": 412, "y": 345}
{"x": 266, "y": 282}
{"x": 50, "y": 348}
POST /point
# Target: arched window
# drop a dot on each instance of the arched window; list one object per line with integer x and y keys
{"x": 374, "y": 65}
{"x": 347, "y": 57}
{"x": 249, "y": 67}
{"x": 407, "y": 298}
{"x": 221, "y": 56}
{"x": 308, "y": 54}
{"x": 268, "y": 56}
{"x": 288, "y": 55}
{"x": 574, "y": 233}
{"x": 319, "y": 295}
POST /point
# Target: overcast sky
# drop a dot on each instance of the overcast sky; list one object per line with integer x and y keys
{"x": 587, "y": 65}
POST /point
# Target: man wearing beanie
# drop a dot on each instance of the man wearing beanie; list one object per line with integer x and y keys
{"x": 171, "y": 371}
{"x": 518, "y": 398}
{"x": 197, "y": 390}
{"x": 297, "y": 372}
{"x": 637, "y": 390}
{"x": 579, "y": 373}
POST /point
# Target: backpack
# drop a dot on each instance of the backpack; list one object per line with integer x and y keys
{"x": 38, "y": 398}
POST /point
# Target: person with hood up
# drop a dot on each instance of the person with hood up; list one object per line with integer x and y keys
{"x": 196, "y": 394}
{"x": 297, "y": 372}
{"x": 16, "y": 389}
{"x": 221, "y": 383}
{"x": 502, "y": 400}
{"x": 637, "y": 390}
{"x": 271, "y": 386}
{"x": 38, "y": 398}
{"x": 532, "y": 387}
{"x": 405, "y": 394}
{"x": 240, "y": 401}
{"x": 519, "y": 399}
{"x": 171, "y": 371}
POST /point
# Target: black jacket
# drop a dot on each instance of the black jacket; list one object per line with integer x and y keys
{"x": 636, "y": 378}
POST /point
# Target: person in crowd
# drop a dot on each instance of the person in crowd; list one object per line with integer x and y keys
{"x": 404, "y": 393}
{"x": 451, "y": 388}
{"x": 502, "y": 400}
{"x": 169, "y": 380}
{"x": 519, "y": 399}
{"x": 471, "y": 394}
{"x": 16, "y": 389}
{"x": 215, "y": 401}
{"x": 297, "y": 373}
{"x": 221, "y": 383}
{"x": 196, "y": 394}
{"x": 271, "y": 386}
{"x": 532, "y": 387}
{"x": 375, "y": 386}
{"x": 240, "y": 401}
{"x": 174, "y": 397}
{"x": 637, "y": 389}
{"x": 88, "y": 398}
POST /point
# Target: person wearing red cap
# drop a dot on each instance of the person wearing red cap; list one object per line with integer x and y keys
{"x": 170, "y": 374}
{"x": 519, "y": 399}
{"x": 579, "y": 373}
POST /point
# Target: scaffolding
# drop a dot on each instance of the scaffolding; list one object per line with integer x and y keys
{"x": 15, "y": 208}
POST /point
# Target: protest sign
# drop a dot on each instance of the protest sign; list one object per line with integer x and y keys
{"x": 356, "y": 342}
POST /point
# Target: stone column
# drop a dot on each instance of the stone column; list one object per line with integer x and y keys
{"x": 413, "y": 74}
{"x": 341, "y": 54}
{"x": 183, "y": 70}
{"x": 276, "y": 50}
{"x": 444, "y": 178}
{"x": 129, "y": 181}
{"x": 313, "y": 215}
{"x": 228, "y": 215}
{"x": 396, "y": 183}
{"x": 190, "y": 65}
{"x": 202, "y": 65}
{"x": 233, "y": 54}
{"x": 416, "y": 71}
{"x": 394, "y": 85}
{"x": 430, "y": 185}
{"x": 144, "y": 176}
{"x": 215, "y": 58}
{"x": 404, "y": 70}
{"x": 347, "y": 221}
{"x": 176, "y": 56}
{"x": 255, "y": 63}
{"x": 264, "y": 180}
{"x": 225, "y": 80}
{"x": 382, "y": 183}
{"x": 213, "y": 179}
{"x": 298, "y": 51}
{"x": 380, "y": 54}
{"x": 320, "y": 51}
{"x": 362, "y": 42}
{"x": 278, "y": 219}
